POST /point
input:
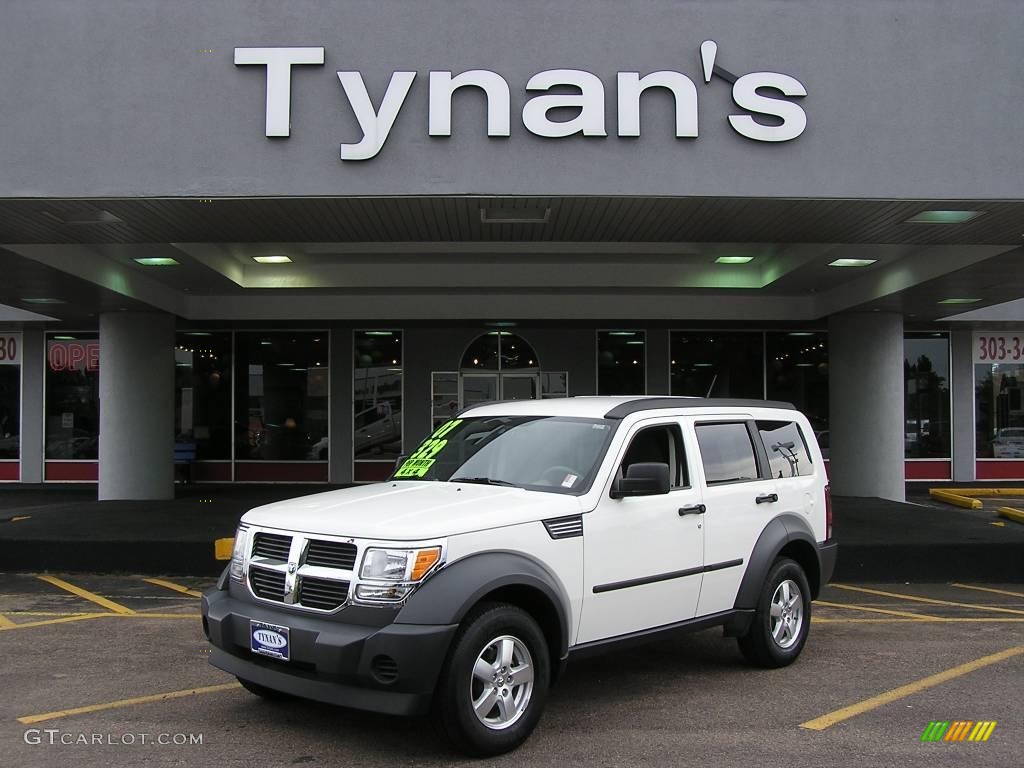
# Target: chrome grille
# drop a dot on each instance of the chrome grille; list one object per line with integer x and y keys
{"x": 272, "y": 546}
{"x": 324, "y": 594}
{"x": 267, "y": 583}
{"x": 331, "y": 554}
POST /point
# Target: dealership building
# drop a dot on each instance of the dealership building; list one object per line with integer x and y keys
{"x": 280, "y": 242}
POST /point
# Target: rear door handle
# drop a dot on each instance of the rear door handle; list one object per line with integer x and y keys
{"x": 693, "y": 509}
{"x": 767, "y": 498}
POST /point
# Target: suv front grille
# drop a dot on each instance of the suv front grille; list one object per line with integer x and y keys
{"x": 331, "y": 554}
{"x": 267, "y": 583}
{"x": 324, "y": 594}
{"x": 272, "y": 546}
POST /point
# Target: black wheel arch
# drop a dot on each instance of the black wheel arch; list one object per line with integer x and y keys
{"x": 498, "y": 576}
{"x": 785, "y": 536}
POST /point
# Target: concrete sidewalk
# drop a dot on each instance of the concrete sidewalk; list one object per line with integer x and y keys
{"x": 65, "y": 529}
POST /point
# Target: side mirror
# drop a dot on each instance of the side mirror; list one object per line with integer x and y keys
{"x": 642, "y": 479}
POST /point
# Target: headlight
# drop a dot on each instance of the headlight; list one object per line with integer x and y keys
{"x": 238, "y": 552}
{"x": 399, "y": 564}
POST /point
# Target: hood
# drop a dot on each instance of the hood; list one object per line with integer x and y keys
{"x": 411, "y": 510}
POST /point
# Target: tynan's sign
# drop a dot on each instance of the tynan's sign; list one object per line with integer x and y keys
{"x": 758, "y": 93}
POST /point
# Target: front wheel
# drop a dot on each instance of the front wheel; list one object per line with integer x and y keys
{"x": 495, "y": 682}
{"x": 782, "y": 618}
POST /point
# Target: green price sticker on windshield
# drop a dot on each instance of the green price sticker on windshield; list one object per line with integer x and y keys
{"x": 420, "y": 462}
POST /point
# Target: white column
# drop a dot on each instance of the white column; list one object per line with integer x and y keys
{"x": 136, "y": 406}
{"x": 866, "y": 405}
{"x": 33, "y": 362}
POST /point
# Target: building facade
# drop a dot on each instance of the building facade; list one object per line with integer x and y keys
{"x": 278, "y": 243}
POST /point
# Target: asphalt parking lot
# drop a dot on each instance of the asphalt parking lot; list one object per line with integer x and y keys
{"x": 121, "y": 661}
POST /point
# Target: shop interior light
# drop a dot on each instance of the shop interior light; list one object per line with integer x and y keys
{"x": 43, "y": 300}
{"x": 800, "y": 333}
{"x": 63, "y": 338}
{"x": 959, "y": 301}
{"x": 156, "y": 261}
{"x": 852, "y": 262}
{"x": 272, "y": 259}
{"x": 943, "y": 217}
{"x": 379, "y": 333}
{"x": 734, "y": 259}
{"x": 635, "y": 341}
{"x": 622, "y": 333}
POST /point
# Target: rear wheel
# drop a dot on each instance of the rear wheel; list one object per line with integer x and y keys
{"x": 782, "y": 618}
{"x": 495, "y": 681}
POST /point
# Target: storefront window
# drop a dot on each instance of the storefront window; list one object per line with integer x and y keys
{"x": 999, "y": 410}
{"x": 377, "y": 396}
{"x": 620, "y": 363}
{"x": 926, "y": 403}
{"x": 202, "y": 393}
{"x": 717, "y": 364}
{"x": 798, "y": 374}
{"x": 281, "y": 393}
{"x": 72, "y": 396}
{"x": 10, "y": 396}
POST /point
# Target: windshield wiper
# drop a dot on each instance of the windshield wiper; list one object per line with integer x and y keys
{"x": 483, "y": 481}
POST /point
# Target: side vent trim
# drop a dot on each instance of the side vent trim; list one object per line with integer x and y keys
{"x": 565, "y": 527}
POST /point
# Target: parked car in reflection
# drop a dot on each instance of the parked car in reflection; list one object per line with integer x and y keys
{"x": 377, "y": 428}
{"x": 81, "y": 445}
{"x": 1009, "y": 443}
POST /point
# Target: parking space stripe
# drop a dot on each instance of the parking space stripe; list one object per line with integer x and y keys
{"x": 827, "y": 721}
{"x": 110, "y": 605}
{"x": 175, "y": 587}
{"x": 904, "y": 614}
{"x": 6, "y": 623}
{"x": 930, "y": 600}
{"x": 988, "y": 589}
{"x": 64, "y": 620}
{"x": 30, "y": 719}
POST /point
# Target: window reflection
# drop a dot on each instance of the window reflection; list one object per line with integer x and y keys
{"x": 717, "y": 364}
{"x": 72, "y": 396}
{"x": 377, "y": 395}
{"x": 999, "y": 410}
{"x": 202, "y": 393}
{"x": 10, "y": 411}
{"x": 620, "y": 363}
{"x": 281, "y": 382}
{"x": 926, "y": 396}
{"x": 798, "y": 374}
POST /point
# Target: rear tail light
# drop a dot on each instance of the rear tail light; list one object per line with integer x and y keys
{"x": 828, "y": 512}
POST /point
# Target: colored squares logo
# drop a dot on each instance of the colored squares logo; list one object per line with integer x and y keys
{"x": 958, "y": 730}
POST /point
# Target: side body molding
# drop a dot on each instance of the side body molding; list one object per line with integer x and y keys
{"x": 776, "y": 535}
{"x": 447, "y": 596}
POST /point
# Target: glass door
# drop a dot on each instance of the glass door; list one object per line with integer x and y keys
{"x": 520, "y": 386}
{"x": 479, "y": 388}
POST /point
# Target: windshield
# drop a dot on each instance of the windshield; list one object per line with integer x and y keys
{"x": 541, "y": 453}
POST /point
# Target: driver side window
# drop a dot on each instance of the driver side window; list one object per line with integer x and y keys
{"x": 662, "y": 444}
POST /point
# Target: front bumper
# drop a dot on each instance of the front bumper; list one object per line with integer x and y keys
{"x": 391, "y": 669}
{"x": 827, "y": 552}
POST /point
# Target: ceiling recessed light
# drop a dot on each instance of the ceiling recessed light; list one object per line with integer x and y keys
{"x": 286, "y": 365}
{"x": 943, "y": 217}
{"x": 198, "y": 333}
{"x": 272, "y": 259}
{"x": 852, "y": 262}
{"x": 379, "y": 333}
{"x": 157, "y": 261}
{"x": 63, "y": 338}
{"x": 635, "y": 342}
{"x": 622, "y": 333}
{"x": 43, "y": 300}
{"x": 703, "y": 365}
{"x": 734, "y": 259}
{"x": 800, "y": 333}
{"x": 959, "y": 301}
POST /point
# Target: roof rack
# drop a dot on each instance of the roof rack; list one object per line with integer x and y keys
{"x": 648, "y": 403}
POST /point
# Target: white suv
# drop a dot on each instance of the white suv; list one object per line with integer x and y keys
{"x": 520, "y": 535}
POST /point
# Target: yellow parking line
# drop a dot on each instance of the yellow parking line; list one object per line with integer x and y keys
{"x": 30, "y": 719}
{"x": 989, "y": 589}
{"x": 827, "y": 721}
{"x": 110, "y": 605}
{"x": 933, "y": 601}
{"x": 176, "y": 587}
{"x": 64, "y": 620}
{"x": 6, "y": 623}
{"x": 905, "y": 614}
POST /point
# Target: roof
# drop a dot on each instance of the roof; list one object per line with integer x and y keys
{"x": 608, "y": 407}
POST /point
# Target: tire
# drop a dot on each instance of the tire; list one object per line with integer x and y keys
{"x": 486, "y": 633}
{"x": 262, "y": 691}
{"x": 774, "y": 641}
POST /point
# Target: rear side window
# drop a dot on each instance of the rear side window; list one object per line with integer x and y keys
{"x": 727, "y": 452}
{"x": 786, "y": 448}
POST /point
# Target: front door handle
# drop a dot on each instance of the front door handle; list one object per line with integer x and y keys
{"x": 767, "y": 498}
{"x": 693, "y": 509}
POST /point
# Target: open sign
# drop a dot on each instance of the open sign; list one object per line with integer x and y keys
{"x": 73, "y": 355}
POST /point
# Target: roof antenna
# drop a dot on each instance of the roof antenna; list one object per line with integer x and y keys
{"x": 715, "y": 379}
